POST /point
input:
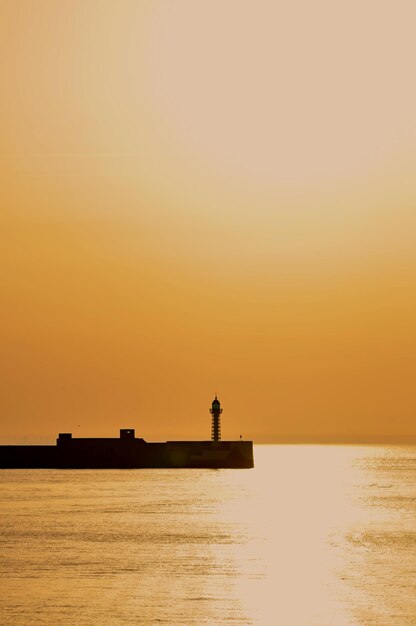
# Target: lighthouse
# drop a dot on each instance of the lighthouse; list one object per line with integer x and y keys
{"x": 216, "y": 411}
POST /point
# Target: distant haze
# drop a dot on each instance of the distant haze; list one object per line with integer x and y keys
{"x": 208, "y": 197}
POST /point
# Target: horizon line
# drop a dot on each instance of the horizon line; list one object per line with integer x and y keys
{"x": 278, "y": 440}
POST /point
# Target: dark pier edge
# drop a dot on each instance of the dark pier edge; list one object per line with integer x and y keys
{"x": 127, "y": 451}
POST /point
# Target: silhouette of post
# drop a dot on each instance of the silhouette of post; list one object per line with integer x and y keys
{"x": 216, "y": 411}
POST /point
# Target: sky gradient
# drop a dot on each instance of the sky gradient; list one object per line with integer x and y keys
{"x": 208, "y": 197}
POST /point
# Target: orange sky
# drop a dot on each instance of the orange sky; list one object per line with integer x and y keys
{"x": 208, "y": 197}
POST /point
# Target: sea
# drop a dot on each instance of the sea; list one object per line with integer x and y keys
{"x": 312, "y": 536}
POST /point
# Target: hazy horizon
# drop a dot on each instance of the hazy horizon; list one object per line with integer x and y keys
{"x": 382, "y": 440}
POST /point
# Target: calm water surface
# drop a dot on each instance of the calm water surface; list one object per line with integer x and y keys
{"x": 313, "y": 536}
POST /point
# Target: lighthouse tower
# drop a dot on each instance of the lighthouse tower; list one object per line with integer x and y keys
{"x": 216, "y": 411}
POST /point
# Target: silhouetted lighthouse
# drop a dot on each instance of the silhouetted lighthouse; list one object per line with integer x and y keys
{"x": 216, "y": 411}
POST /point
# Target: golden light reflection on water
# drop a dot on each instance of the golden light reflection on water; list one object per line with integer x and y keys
{"x": 300, "y": 507}
{"x": 312, "y": 536}
{"x": 292, "y": 504}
